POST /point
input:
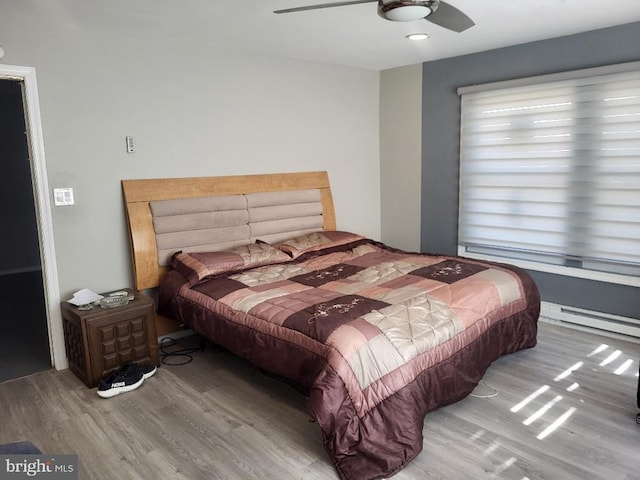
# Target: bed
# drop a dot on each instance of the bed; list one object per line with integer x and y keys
{"x": 376, "y": 336}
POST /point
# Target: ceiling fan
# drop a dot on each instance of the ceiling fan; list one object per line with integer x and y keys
{"x": 435, "y": 11}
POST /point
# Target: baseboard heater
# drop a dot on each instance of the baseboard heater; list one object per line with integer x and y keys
{"x": 598, "y": 322}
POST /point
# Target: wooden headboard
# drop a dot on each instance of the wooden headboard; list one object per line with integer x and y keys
{"x": 139, "y": 193}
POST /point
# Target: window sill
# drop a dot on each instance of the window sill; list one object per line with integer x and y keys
{"x": 557, "y": 269}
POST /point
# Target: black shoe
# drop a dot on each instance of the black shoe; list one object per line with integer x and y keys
{"x": 146, "y": 370}
{"x": 118, "y": 382}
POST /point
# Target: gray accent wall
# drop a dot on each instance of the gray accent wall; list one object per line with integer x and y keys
{"x": 440, "y": 143}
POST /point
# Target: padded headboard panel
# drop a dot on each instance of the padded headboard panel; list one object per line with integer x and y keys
{"x": 230, "y": 210}
{"x": 225, "y": 221}
{"x": 276, "y": 216}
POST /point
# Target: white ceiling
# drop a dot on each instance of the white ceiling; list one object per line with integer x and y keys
{"x": 355, "y": 35}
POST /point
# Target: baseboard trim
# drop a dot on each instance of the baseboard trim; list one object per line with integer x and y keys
{"x": 36, "y": 268}
{"x": 176, "y": 335}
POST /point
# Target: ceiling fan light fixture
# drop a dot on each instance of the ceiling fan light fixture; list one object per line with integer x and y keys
{"x": 406, "y": 10}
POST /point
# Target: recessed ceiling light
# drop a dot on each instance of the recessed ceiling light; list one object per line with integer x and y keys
{"x": 418, "y": 36}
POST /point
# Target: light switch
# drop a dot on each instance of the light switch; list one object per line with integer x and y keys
{"x": 63, "y": 197}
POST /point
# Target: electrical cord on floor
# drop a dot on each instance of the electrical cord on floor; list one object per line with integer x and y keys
{"x": 489, "y": 395}
{"x": 185, "y": 353}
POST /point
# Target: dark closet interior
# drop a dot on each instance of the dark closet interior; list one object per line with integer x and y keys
{"x": 24, "y": 340}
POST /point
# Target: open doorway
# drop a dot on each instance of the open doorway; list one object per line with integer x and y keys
{"x": 24, "y": 338}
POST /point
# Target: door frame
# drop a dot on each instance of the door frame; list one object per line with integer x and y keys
{"x": 27, "y": 75}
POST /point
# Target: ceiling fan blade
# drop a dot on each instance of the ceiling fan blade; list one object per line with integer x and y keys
{"x": 323, "y": 5}
{"x": 449, "y": 17}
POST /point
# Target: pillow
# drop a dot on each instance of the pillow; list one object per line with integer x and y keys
{"x": 197, "y": 266}
{"x": 313, "y": 242}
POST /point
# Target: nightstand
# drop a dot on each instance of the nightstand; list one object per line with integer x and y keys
{"x": 100, "y": 340}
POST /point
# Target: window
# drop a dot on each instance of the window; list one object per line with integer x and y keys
{"x": 550, "y": 170}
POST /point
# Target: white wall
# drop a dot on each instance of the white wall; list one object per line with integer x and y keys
{"x": 401, "y": 156}
{"x": 193, "y": 109}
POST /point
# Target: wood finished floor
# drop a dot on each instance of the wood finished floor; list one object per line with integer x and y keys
{"x": 218, "y": 418}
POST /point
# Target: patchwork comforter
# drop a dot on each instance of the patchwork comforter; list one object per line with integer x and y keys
{"x": 379, "y": 337}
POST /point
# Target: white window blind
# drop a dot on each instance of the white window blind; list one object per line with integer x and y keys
{"x": 550, "y": 171}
